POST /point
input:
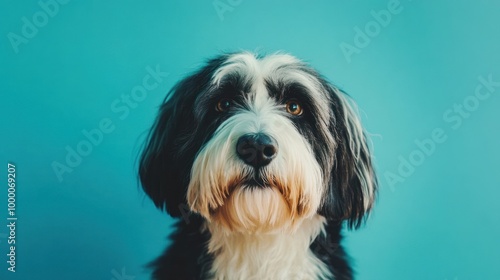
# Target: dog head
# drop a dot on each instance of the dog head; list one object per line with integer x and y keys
{"x": 258, "y": 144}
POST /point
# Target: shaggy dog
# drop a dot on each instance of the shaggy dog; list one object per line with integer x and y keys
{"x": 265, "y": 161}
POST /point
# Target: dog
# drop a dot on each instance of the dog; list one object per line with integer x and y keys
{"x": 265, "y": 161}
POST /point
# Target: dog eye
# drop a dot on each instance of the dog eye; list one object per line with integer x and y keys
{"x": 293, "y": 107}
{"x": 223, "y": 105}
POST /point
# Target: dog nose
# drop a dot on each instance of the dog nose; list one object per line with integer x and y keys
{"x": 256, "y": 150}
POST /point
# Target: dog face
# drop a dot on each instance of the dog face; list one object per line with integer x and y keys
{"x": 258, "y": 144}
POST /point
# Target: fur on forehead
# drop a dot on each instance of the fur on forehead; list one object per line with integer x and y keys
{"x": 276, "y": 69}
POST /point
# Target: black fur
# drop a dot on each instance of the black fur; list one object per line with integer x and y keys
{"x": 184, "y": 124}
{"x": 344, "y": 199}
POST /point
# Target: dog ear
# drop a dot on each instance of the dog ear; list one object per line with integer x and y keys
{"x": 352, "y": 188}
{"x": 160, "y": 175}
{"x": 170, "y": 148}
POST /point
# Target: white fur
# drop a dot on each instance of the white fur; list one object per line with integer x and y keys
{"x": 241, "y": 256}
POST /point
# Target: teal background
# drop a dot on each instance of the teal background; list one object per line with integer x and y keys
{"x": 441, "y": 222}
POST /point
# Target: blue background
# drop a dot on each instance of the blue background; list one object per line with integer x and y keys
{"x": 440, "y": 222}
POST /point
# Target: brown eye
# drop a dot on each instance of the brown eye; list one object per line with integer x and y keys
{"x": 223, "y": 105}
{"x": 293, "y": 107}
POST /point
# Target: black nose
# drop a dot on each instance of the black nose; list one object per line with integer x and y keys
{"x": 256, "y": 150}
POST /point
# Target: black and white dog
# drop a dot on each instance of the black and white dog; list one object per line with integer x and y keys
{"x": 270, "y": 160}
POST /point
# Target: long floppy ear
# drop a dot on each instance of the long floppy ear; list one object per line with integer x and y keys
{"x": 159, "y": 171}
{"x": 169, "y": 152}
{"x": 353, "y": 184}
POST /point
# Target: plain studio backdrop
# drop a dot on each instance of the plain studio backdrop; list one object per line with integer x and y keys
{"x": 81, "y": 82}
